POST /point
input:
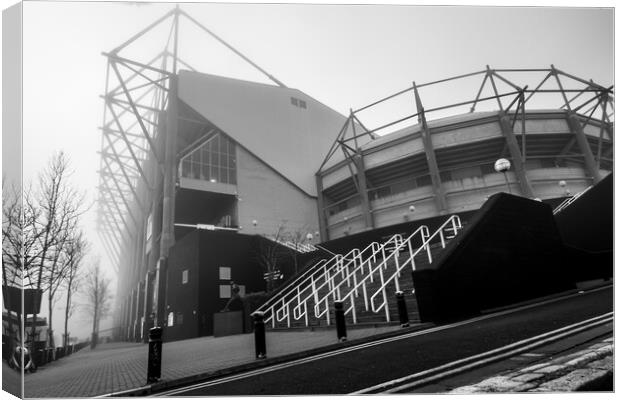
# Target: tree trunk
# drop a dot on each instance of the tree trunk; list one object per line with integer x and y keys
{"x": 8, "y": 314}
{"x": 50, "y": 309}
{"x": 67, "y": 307}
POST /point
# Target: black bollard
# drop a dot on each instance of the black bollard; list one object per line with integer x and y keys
{"x": 259, "y": 335}
{"x": 402, "y": 309}
{"x": 154, "y": 362}
{"x": 341, "y": 325}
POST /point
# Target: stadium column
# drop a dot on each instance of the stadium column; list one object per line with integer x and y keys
{"x": 167, "y": 225}
{"x": 363, "y": 188}
{"x": 515, "y": 155}
{"x": 431, "y": 160}
{"x": 321, "y": 208}
{"x": 584, "y": 147}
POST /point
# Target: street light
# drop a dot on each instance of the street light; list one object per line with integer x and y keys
{"x": 562, "y": 184}
{"x": 309, "y": 237}
{"x": 503, "y": 165}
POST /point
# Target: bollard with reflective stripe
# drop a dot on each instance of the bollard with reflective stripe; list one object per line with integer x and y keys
{"x": 259, "y": 335}
{"x": 402, "y": 309}
{"x": 341, "y": 326}
{"x": 154, "y": 362}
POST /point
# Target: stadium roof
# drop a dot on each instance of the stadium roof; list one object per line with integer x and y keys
{"x": 264, "y": 119}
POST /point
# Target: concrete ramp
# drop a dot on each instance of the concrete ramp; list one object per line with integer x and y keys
{"x": 510, "y": 251}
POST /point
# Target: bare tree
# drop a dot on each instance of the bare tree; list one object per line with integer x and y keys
{"x": 98, "y": 296}
{"x": 269, "y": 254}
{"x": 75, "y": 253}
{"x": 296, "y": 238}
{"x": 59, "y": 206}
{"x": 19, "y": 244}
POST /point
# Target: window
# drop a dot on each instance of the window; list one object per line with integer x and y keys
{"x": 149, "y": 227}
{"x": 179, "y": 318}
{"x": 225, "y": 273}
{"x": 185, "y": 276}
{"x": 424, "y": 181}
{"x": 298, "y": 103}
{"x": 170, "y": 318}
{"x": 224, "y": 291}
{"x": 213, "y": 161}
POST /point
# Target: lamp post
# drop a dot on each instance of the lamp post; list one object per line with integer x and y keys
{"x": 503, "y": 165}
{"x": 562, "y": 184}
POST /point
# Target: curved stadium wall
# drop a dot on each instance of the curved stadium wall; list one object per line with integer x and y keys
{"x": 397, "y": 173}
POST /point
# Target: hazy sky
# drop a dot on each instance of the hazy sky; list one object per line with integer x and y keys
{"x": 344, "y": 56}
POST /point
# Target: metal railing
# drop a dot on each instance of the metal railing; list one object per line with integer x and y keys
{"x": 312, "y": 290}
{"x": 453, "y": 225}
{"x": 317, "y": 272}
{"x": 570, "y": 200}
{"x": 393, "y": 246}
{"x": 345, "y": 276}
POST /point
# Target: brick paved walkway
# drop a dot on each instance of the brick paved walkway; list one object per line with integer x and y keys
{"x": 115, "y": 367}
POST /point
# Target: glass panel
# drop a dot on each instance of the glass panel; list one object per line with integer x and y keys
{"x": 214, "y": 160}
{"x": 225, "y": 273}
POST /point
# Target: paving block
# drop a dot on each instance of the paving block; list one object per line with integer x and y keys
{"x": 498, "y": 384}
{"x": 573, "y": 380}
{"x": 466, "y": 390}
{"x": 606, "y": 363}
{"x": 527, "y": 377}
{"x": 583, "y": 359}
{"x": 608, "y": 349}
{"x": 550, "y": 369}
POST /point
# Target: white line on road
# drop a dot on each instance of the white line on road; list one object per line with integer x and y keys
{"x": 408, "y": 382}
{"x": 345, "y": 350}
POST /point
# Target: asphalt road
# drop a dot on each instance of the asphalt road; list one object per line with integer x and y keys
{"x": 348, "y": 372}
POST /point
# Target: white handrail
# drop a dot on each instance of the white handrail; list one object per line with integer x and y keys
{"x": 454, "y": 220}
{"x": 297, "y": 310}
{"x": 284, "y": 310}
{"x": 570, "y": 200}
{"x": 281, "y": 291}
{"x": 399, "y": 242}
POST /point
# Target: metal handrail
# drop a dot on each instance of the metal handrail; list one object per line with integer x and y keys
{"x": 570, "y": 200}
{"x": 335, "y": 260}
{"x": 454, "y": 220}
{"x": 297, "y": 310}
{"x": 422, "y": 230}
{"x": 336, "y": 288}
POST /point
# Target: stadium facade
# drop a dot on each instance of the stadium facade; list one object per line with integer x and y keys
{"x": 195, "y": 167}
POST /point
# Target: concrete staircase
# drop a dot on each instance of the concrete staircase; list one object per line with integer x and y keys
{"x": 366, "y": 317}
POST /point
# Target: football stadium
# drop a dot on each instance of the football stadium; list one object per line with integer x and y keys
{"x": 213, "y": 188}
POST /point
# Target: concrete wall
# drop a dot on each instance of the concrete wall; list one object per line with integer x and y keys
{"x": 469, "y": 192}
{"x": 466, "y": 135}
{"x": 268, "y": 198}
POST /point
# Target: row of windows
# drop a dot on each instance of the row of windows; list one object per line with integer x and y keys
{"x": 476, "y": 171}
{"x": 213, "y": 161}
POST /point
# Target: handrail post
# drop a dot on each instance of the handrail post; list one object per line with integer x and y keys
{"x": 387, "y": 311}
{"x": 306, "y": 312}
